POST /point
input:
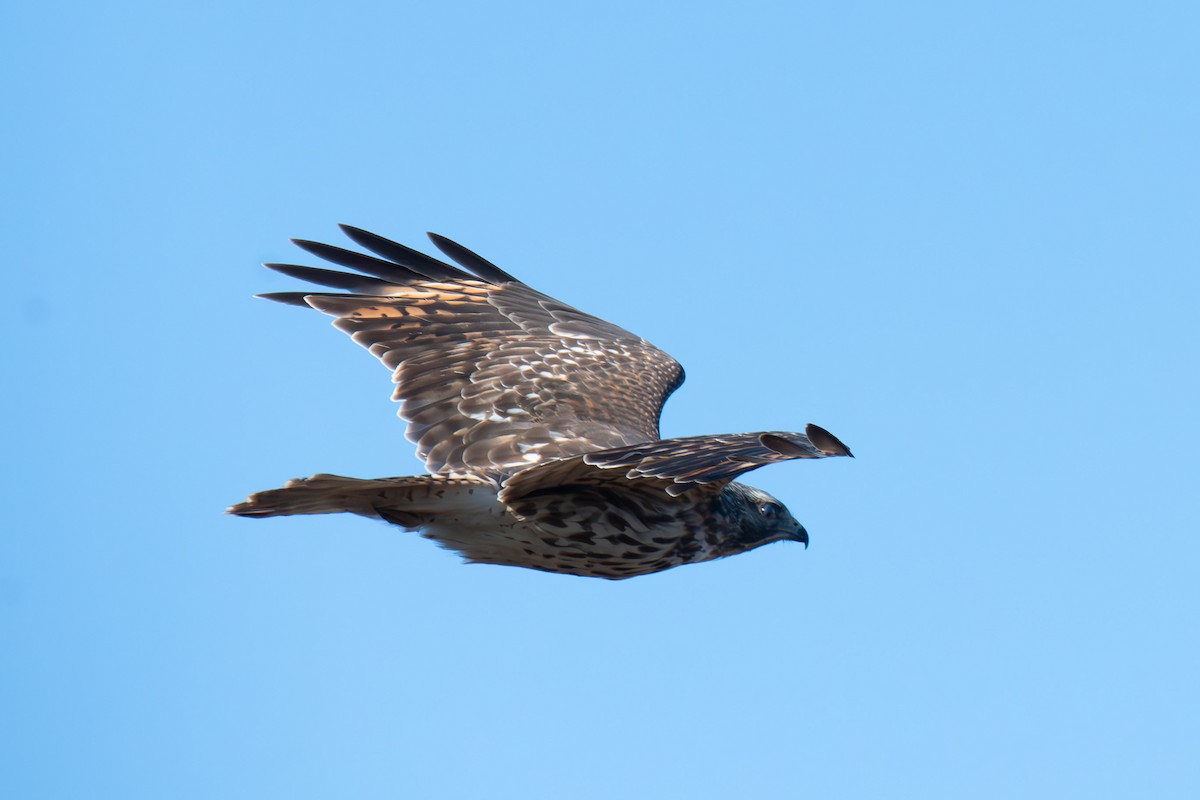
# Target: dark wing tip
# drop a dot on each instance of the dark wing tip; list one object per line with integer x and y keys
{"x": 470, "y": 260}
{"x": 359, "y": 284}
{"x": 288, "y": 298}
{"x": 403, "y": 255}
{"x": 826, "y": 442}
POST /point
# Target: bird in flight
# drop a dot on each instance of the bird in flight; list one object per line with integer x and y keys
{"x": 537, "y": 422}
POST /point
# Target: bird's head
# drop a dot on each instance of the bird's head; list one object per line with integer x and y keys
{"x": 762, "y": 519}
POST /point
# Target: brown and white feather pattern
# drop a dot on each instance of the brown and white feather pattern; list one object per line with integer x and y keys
{"x": 537, "y": 422}
{"x": 501, "y": 377}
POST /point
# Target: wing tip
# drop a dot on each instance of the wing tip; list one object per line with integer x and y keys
{"x": 351, "y": 230}
{"x": 826, "y": 442}
{"x": 470, "y": 260}
{"x": 287, "y": 298}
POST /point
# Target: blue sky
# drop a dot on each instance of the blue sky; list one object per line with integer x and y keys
{"x": 960, "y": 236}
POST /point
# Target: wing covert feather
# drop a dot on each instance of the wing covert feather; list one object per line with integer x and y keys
{"x": 491, "y": 375}
{"x": 676, "y": 465}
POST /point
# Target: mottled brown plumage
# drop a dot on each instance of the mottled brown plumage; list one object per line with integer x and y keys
{"x": 538, "y": 424}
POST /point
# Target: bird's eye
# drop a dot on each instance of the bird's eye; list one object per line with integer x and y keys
{"x": 770, "y": 509}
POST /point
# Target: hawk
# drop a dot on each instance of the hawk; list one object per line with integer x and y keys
{"x": 537, "y": 422}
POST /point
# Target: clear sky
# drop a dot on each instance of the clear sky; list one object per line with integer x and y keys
{"x": 962, "y": 237}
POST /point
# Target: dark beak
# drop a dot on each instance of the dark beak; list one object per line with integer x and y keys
{"x": 800, "y": 535}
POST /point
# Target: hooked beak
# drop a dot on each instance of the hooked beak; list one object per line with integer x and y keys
{"x": 800, "y": 535}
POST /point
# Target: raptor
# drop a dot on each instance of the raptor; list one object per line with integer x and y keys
{"x": 538, "y": 425}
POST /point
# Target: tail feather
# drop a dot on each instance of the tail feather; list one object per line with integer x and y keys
{"x": 408, "y": 501}
{"x": 330, "y": 494}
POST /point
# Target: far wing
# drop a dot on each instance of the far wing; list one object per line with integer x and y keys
{"x": 490, "y": 374}
{"x": 676, "y": 465}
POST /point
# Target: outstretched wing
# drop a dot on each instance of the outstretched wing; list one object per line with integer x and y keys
{"x": 490, "y": 374}
{"x": 676, "y": 465}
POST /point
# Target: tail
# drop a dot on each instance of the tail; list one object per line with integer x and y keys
{"x": 404, "y": 501}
